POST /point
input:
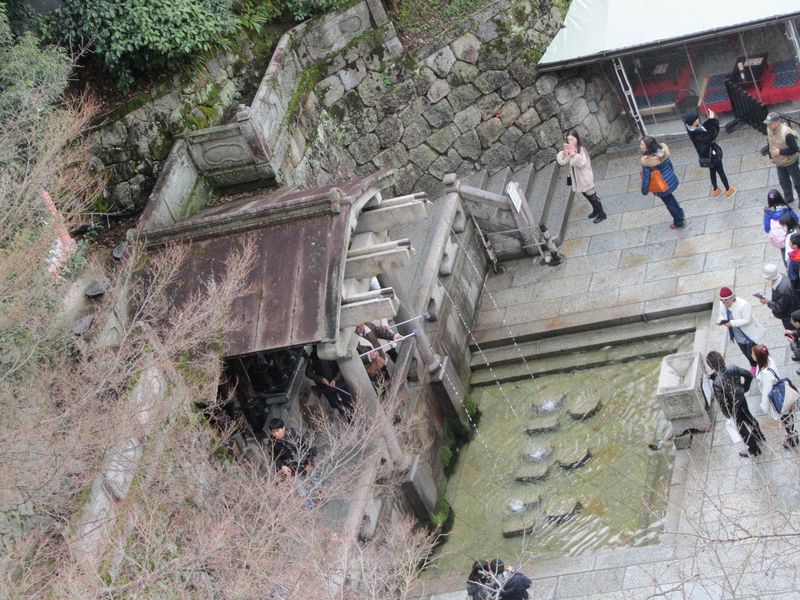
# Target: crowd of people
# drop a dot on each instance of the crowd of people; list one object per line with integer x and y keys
{"x": 730, "y": 382}
{"x": 292, "y": 452}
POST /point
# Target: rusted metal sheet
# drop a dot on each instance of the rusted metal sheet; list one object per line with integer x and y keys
{"x": 295, "y": 287}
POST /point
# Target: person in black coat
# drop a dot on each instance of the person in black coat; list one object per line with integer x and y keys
{"x": 704, "y": 137}
{"x": 730, "y": 385}
{"x": 783, "y": 301}
{"x": 792, "y": 334}
{"x": 513, "y": 585}
{"x": 330, "y": 383}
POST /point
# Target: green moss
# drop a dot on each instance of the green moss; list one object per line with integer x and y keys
{"x": 456, "y": 434}
{"x": 197, "y": 200}
{"x": 194, "y": 122}
{"x": 336, "y": 113}
{"x": 442, "y": 519}
{"x": 305, "y": 83}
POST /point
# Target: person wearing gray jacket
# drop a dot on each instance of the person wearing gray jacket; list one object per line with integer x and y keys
{"x": 783, "y": 301}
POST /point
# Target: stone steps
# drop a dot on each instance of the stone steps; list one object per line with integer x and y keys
{"x": 548, "y": 203}
{"x": 558, "y": 345}
{"x": 582, "y": 322}
{"x": 567, "y": 363}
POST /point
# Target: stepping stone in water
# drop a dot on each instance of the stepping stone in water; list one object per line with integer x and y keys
{"x": 542, "y": 424}
{"x": 583, "y": 406}
{"x": 549, "y": 403}
{"x": 524, "y": 500}
{"x": 519, "y": 524}
{"x": 573, "y": 455}
{"x": 538, "y": 453}
{"x": 558, "y": 510}
{"x": 533, "y": 472}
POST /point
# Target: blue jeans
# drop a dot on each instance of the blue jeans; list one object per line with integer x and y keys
{"x": 674, "y": 209}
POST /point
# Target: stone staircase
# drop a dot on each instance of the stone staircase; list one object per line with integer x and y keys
{"x": 548, "y": 199}
{"x": 545, "y": 356}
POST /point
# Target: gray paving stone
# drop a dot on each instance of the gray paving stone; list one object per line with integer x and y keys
{"x": 652, "y": 290}
{"x": 648, "y": 253}
{"x": 684, "y": 265}
{"x": 712, "y": 281}
{"x": 703, "y": 243}
{"x": 746, "y": 236}
{"x": 606, "y": 280}
{"x": 615, "y": 240}
{"x": 598, "y": 582}
{"x": 724, "y": 259}
{"x": 593, "y": 301}
{"x": 584, "y": 227}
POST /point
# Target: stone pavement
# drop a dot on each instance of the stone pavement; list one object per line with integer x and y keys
{"x": 632, "y": 263}
{"x": 732, "y": 529}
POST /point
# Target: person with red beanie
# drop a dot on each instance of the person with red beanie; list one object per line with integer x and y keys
{"x": 743, "y": 328}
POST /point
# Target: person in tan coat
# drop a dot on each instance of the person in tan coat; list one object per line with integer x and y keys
{"x": 581, "y": 176}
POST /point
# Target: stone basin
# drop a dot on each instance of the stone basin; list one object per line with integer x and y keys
{"x": 542, "y": 424}
{"x": 584, "y": 405}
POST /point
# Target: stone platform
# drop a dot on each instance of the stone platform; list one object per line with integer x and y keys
{"x": 632, "y": 265}
{"x": 733, "y": 524}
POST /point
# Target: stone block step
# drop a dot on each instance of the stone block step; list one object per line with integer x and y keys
{"x": 497, "y": 182}
{"x": 584, "y": 340}
{"x": 543, "y": 182}
{"x": 536, "y": 329}
{"x": 582, "y": 360}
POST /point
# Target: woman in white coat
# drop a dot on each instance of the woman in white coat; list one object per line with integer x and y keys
{"x": 767, "y": 375}
{"x": 575, "y": 155}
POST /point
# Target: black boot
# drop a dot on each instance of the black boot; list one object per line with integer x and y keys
{"x": 598, "y": 214}
{"x": 592, "y": 214}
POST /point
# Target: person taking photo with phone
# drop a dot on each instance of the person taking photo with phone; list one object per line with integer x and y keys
{"x": 783, "y": 301}
{"x": 704, "y": 137}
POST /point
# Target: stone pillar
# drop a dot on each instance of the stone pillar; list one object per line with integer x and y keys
{"x": 444, "y": 380}
{"x": 429, "y": 357}
{"x": 356, "y": 376}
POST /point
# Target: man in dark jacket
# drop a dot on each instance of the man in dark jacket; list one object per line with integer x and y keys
{"x": 704, "y": 137}
{"x": 784, "y": 300}
{"x": 512, "y": 585}
{"x": 730, "y": 385}
{"x": 291, "y": 451}
{"x": 330, "y": 383}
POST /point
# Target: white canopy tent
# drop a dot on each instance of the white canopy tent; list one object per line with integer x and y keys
{"x": 603, "y": 29}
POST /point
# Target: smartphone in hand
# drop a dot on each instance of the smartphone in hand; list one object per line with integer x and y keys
{"x": 724, "y": 322}
{"x": 759, "y": 295}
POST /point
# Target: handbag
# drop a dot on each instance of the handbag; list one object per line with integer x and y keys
{"x": 783, "y": 394}
{"x": 733, "y": 431}
{"x": 657, "y": 184}
{"x": 569, "y": 180}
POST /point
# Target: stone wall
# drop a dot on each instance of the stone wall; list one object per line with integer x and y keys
{"x": 132, "y": 141}
{"x": 476, "y": 102}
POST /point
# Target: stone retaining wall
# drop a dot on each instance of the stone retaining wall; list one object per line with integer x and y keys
{"x": 132, "y": 141}
{"x": 476, "y": 102}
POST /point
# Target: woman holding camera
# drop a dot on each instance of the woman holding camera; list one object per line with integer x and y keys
{"x": 581, "y": 178}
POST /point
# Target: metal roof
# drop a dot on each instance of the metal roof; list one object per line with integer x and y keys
{"x": 301, "y": 240}
{"x": 600, "y": 29}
